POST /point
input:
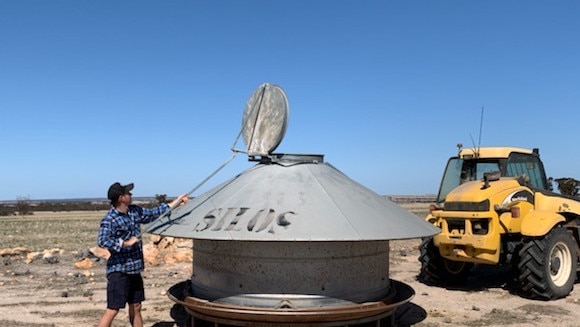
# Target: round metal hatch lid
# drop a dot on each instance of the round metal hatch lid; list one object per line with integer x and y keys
{"x": 265, "y": 119}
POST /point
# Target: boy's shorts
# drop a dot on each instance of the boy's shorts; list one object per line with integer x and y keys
{"x": 124, "y": 288}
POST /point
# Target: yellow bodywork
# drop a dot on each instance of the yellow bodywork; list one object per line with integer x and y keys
{"x": 474, "y": 235}
{"x": 491, "y": 152}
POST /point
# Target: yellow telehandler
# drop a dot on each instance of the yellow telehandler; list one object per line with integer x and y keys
{"x": 495, "y": 206}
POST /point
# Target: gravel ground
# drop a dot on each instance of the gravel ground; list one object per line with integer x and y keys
{"x": 53, "y": 292}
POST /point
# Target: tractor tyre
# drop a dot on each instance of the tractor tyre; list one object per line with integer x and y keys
{"x": 547, "y": 265}
{"x": 437, "y": 270}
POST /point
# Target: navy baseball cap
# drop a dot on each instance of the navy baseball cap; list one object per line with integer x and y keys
{"x": 116, "y": 190}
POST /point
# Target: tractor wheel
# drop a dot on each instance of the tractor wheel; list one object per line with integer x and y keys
{"x": 437, "y": 270}
{"x": 547, "y": 266}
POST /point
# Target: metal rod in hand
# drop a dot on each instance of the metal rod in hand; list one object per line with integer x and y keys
{"x": 166, "y": 213}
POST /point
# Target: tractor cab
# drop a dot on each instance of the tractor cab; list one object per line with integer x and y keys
{"x": 472, "y": 164}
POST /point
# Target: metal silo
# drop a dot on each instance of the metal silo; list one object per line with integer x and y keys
{"x": 290, "y": 241}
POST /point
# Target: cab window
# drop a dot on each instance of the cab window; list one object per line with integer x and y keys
{"x": 531, "y": 166}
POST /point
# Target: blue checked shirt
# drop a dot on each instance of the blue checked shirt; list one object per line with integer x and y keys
{"x": 117, "y": 227}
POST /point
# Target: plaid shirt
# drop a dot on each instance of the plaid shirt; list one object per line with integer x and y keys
{"x": 117, "y": 227}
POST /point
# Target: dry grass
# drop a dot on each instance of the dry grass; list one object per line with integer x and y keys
{"x": 420, "y": 209}
{"x": 69, "y": 231}
{"x": 77, "y": 230}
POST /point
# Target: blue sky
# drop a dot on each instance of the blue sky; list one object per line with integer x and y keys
{"x": 152, "y": 92}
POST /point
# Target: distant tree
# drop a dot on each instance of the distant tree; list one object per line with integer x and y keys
{"x": 6, "y": 210}
{"x": 23, "y": 206}
{"x": 568, "y": 186}
{"x": 161, "y": 198}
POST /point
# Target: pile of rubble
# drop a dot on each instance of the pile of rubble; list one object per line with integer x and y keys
{"x": 168, "y": 250}
{"x": 48, "y": 255}
{"x": 157, "y": 251}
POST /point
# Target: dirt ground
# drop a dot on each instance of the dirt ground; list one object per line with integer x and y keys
{"x": 53, "y": 292}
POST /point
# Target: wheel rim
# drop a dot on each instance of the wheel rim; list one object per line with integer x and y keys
{"x": 560, "y": 264}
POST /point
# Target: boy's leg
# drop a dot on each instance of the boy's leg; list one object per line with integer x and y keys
{"x": 135, "y": 314}
{"x": 108, "y": 317}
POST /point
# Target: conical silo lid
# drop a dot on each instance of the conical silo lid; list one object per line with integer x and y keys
{"x": 291, "y": 200}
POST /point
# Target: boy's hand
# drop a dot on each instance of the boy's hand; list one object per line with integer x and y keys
{"x": 131, "y": 241}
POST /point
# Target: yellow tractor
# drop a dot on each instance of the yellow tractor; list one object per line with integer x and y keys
{"x": 495, "y": 206}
